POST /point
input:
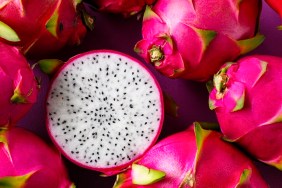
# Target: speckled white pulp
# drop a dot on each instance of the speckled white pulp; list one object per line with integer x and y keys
{"x": 104, "y": 109}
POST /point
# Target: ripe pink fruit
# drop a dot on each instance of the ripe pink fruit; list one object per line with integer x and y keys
{"x": 26, "y": 161}
{"x": 248, "y": 103}
{"x": 192, "y": 158}
{"x": 125, "y": 7}
{"x": 19, "y": 87}
{"x": 41, "y": 27}
{"x": 104, "y": 110}
{"x": 193, "y": 43}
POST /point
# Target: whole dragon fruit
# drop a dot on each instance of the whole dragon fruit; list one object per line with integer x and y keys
{"x": 276, "y": 5}
{"x": 104, "y": 110}
{"x": 192, "y": 158}
{"x": 28, "y": 162}
{"x": 192, "y": 39}
{"x": 247, "y": 100}
{"x": 41, "y": 27}
{"x": 124, "y": 7}
{"x": 19, "y": 87}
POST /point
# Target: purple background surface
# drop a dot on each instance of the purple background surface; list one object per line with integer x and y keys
{"x": 117, "y": 33}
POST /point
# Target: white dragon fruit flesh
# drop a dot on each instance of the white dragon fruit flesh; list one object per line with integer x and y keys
{"x": 104, "y": 110}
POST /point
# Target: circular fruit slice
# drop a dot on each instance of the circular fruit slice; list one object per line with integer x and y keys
{"x": 104, "y": 110}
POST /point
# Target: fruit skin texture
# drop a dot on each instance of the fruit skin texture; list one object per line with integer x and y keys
{"x": 19, "y": 87}
{"x": 43, "y": 27}
{"x": 276, "y": 5}
{"x": 124, "y": 7}
{"x": 22, "y": 152}
{"x": 193, "y": 43}
{"x": 108, "y": 171}
{"x": 247, "y": 101}
{"x": 196, "y": 158}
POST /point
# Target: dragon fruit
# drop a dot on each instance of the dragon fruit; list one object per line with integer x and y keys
{"x": 193, "y": 43}
{"x": 192, "y": 158}
{"x": 27, "y": 161}
{"x": 247, "y": 100}
{"x": 41, "y": 27}
{"x": 19, "y": 87}
{"x": 104, "y": 110}
{"x": 124, "y": 7}
{"x": 276, "y": 5}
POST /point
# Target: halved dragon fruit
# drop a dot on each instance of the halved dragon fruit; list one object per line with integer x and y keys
{"x": 104, "y": 110}
{"x": 41, "y": 27}
{"x": 192, "y": 158}
{"x": 192, "y": 39}
{"x": 124, "y": 7}
{"x": 19, "y": 87}
{"x": 27, "y": 161}
{"x": 247, "y": 100}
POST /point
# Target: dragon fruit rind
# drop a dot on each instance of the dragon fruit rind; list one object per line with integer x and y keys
{"x": 248, "y": 103}
{"x": 192, "y": 158}
{"x": 19, "y": 87}
{"x": 28, "y": 162}
{"x": 41, "y": 27}
{"x": 192, "y": 39}
{"x": 124, "y": 7}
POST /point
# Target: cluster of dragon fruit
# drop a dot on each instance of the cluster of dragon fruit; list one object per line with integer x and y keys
{"x": 105, "y": 110}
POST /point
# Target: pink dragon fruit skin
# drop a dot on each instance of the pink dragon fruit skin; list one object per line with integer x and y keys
{"x": 25, "y": 155}
{"x": 19, "y": 87}
{"x": 41, "y": 27}
{"x": 193, "y": 43}
{"x": 70, "y": 30}
{"x": 247, "y": 101}
{"x": 124, "y": 7}
{"x": 193, "y": 158}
